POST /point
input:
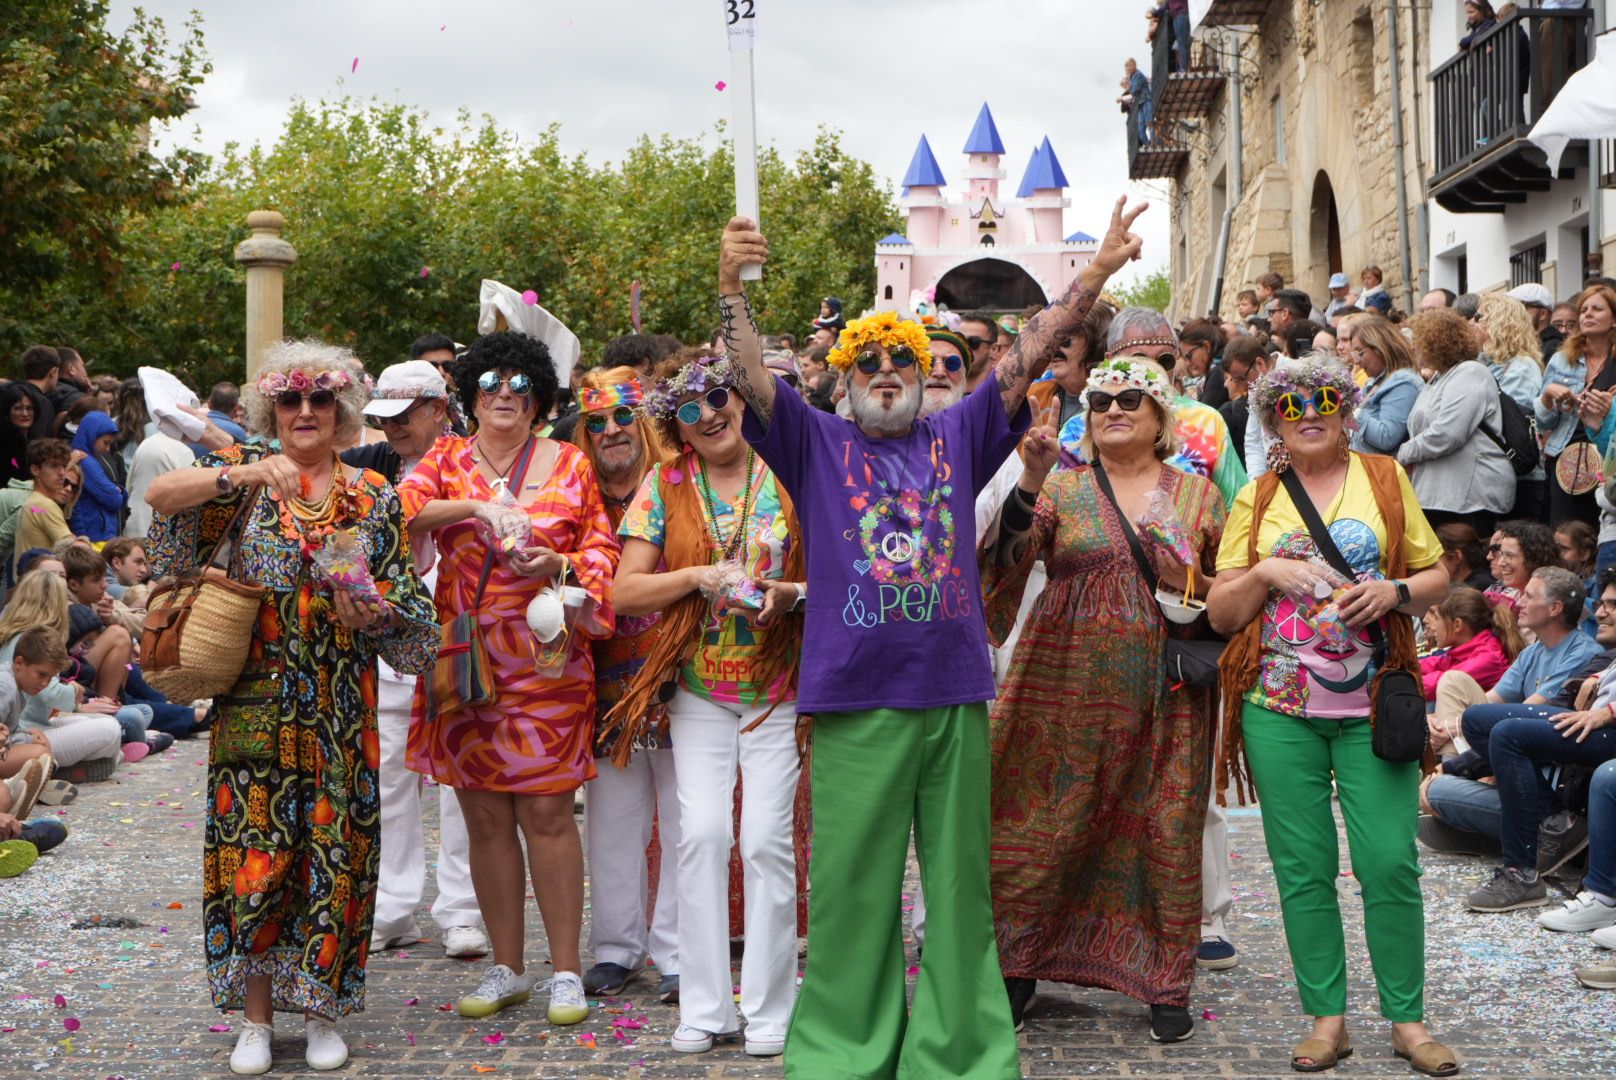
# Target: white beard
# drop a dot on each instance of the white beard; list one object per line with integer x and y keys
{"x": 935, "y": 400}
{"x": 874, "y": 419}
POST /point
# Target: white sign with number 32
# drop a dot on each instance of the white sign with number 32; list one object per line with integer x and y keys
{"x": 740, "y": 17}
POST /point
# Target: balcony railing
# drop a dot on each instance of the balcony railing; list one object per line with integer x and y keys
{"x": 1162, "y": 158}
{"x": 1486, "y": 99}
{"x": 1193, "y": 92}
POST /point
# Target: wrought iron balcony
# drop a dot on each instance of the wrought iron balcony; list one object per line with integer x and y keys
{"x": 1193, "y": 92}
{"x": 1163, "y": 157}
{"x": 1235, "y": 12}
{"x": 1486, "y": 99}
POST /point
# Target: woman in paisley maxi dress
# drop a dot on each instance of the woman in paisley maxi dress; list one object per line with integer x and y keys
{"x": 291, "y": 845}
{"x": 1100, "y": 767}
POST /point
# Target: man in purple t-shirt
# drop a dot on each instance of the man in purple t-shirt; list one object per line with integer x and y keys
{"x": 896, "y": 673}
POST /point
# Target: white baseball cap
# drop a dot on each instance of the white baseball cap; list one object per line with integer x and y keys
{"x": 402, "y": 385}
{"x": 1533, "y": 295}
{"x": 1339, "y": 281}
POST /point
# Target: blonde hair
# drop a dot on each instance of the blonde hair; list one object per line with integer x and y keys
{"x": 650, "y": 445}
{"x": 285, "y": 357}
{"x": 1166, "y": 435}
{"x": 1509, "y": 329}
{"x": 38, "y": 599}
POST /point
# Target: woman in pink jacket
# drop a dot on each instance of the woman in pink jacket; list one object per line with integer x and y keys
{"x": 1473, "y": 637}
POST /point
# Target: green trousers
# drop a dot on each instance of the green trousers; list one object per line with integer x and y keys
{"x": 875, "y": 773}
{"x": 1292, "y": 761}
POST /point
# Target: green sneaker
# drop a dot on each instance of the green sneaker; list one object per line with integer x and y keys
{"x": 567, "y": 1003}
{"x": 500, "y": 988}
{"x": 16, "y": 856}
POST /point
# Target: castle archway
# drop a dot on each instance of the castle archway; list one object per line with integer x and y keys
{"x": 989, "y": 285}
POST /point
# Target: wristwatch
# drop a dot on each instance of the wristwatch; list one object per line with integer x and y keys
{"x": 1404, "y": 597}
{"x": 222, "y": 481}
{"x": 802, "y": 596}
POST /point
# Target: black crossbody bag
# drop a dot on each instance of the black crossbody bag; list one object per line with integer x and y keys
{"x": 1189, "y": 663}
{"x": 1396, "y": 699}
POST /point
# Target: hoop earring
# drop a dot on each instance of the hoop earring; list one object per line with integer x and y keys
{"x": 1279, "y": 458}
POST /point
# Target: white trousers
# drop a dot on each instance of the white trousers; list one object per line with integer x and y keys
{"x": 1217, "y": 891}
{"x": 403, "y": 857}
{"x": 618, "y": 808}
{"x": 707, "y": 749}
{"x": 83, "y": 737}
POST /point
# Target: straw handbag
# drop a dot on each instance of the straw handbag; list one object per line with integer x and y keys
{"x": 199, "y": 625}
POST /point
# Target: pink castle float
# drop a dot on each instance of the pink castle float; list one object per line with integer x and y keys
{"x": 978, "y": 251}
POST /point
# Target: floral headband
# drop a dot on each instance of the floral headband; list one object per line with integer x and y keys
{"x": 887, "y": 330}
{"x": 696, "y": 377}
{"x": 1304, "y": 376}
{"x": 630, "y": 393}
{"x": 1115, "y": 376}
{"x": 278, "y": 382}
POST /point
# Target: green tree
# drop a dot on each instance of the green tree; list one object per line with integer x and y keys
{"x": 76, "y": 102}
{"x": 1152, "y": 290}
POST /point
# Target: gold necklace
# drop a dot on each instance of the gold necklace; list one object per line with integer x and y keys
{"x": 304, "y": 510}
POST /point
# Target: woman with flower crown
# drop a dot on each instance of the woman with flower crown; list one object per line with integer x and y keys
{"x": 1100, "y": 765}
{"x": 291, "y": 848}
{"x": 712, "y": 541}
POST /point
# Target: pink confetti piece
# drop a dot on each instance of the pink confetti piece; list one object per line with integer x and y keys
{"x": 60, "y": 1001}
{"x": 218, "y": 1028}
{"x": 495, "y": 1039}
{"x": 445, "y": 1007}
{"x": 1209, "y": 1015}
{"x": 36, "y": 510}
{"x": 412, "y": 1001}
{"x": 409, "y": 1037}
{"x": 355, "y": 66}
{"x": 912, "y": 969}
{"x": 426, "y": 271}
{"x": 72, "y": 1023}
{"x": 187, "y": 824}
{"x": 719, "y": 85}
{"x": 587, "y": 1040}
{"x": 7, "y": 1031}
{"x": 174, "y": 266}
{"x": 529, "y": 297}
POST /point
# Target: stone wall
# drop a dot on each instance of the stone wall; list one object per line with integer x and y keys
{"x": 1321, "y": 70}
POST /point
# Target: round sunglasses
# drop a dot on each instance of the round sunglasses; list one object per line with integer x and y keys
{"x": 622, "y": 416}
{"x": 951, "y": 362}
{"x": 902, "y": 357}
{"x": 489, "y": 382}
{"x": 716, "y": 399}
{"x": 1326, "y": 401}
{"x": 319, "y": 400}
{"x": 1130, "y": 400}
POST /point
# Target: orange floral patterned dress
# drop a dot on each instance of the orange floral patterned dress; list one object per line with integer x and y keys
{"x": 537, "y": 736}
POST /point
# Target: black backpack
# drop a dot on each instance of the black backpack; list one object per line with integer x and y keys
{"x": 1519, "y": 439}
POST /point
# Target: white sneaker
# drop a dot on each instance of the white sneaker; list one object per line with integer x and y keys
{"x": 408, "y": 934}
{"x": 1604, "y": 937}
{"x": 326, "y": 1050}
{"x": 691, "y": 1040}
{"x": 1578, "y": 916}
{"x": 765, "y": 1044}
{"x": 567, "y": 1003}
{"x": 251, "y": 1055}
{"x": 463, "y": 942}
{"x": 501, "y": 987}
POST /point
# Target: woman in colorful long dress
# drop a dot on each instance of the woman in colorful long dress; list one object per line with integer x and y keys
{"x": 732, "y": 712}
{"x": 1100, "y": 767}
{"x": 292, "y": 839}
{"x": 515, "y": 763}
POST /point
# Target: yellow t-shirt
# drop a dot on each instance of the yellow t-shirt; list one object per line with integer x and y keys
{"x": 1305, "y": 672}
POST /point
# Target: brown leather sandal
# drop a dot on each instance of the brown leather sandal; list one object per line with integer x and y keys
{"x": 1430, "y": 1058}
{"x": 1321, "y": 1052}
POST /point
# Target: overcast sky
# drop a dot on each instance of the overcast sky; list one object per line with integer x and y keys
{"x": 881, "y": 71}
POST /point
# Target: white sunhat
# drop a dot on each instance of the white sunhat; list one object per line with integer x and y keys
{"x": 402, "y": 385}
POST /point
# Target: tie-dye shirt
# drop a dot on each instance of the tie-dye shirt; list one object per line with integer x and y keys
{"x": 1203, "y": 446}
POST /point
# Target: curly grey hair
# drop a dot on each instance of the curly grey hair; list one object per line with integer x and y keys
{"x": 309, "y": 355}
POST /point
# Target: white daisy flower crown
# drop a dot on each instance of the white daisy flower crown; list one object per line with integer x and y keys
{"x": 1115, "y": 376}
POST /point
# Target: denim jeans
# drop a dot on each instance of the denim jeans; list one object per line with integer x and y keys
{"x": 1466, "y": 804}
{"x": 132, "y": 721}
{"x": 1602, "y": 831}
{"x": 1181, "y": 40}
{"x": 1605, "y": 559}
{"x": 1517, "y": 746}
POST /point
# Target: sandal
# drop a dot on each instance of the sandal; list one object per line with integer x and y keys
{"x": 1430, "y": 1058}
{"x": 1321, "y": 1052}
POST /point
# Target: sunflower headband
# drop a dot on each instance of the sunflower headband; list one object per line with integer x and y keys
{"x": 1115, "y": 376}
{"x": 887, "y": 330}
{"x": 1303, "y": 377}
{"x": 696, "y": 377}
{"x": 630, "y": 393}
{"x": 278, "y": 382}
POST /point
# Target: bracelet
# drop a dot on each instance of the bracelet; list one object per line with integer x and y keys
{"x": 802, "y": 595}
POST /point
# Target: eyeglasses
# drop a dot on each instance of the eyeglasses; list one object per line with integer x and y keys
{"x": 951, "y": 362}
{"x": 622, "y": 416}
{"x": 716, "y": 399}
{"x": 1326, "y": 401}
{"x": 319, "y": 400}
{"x": 1604, "y": 605}
{"x": 1100, "y": 402}
{"x": 901, "y": 356}
{"x": 1496, "y": 551}
{"x": 489, "y": 382}
{"x": 1564, "y": 325}
{"x": 70, "y": 485}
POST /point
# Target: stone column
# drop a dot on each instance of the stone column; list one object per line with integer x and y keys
{"x": 266, "y": 257}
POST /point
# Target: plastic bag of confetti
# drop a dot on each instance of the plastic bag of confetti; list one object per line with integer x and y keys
{"x": 1159, "y": 525}
{"x": 341, "y": 564}
{"x": 503, "y": 525}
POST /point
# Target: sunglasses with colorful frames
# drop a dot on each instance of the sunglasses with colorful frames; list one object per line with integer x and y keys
{"x": 1326, "y": 401}
{"x": 622, "y": 416}
{"x": 716, "y": 399}
{"x": 489, "y": 382}
{"x": 901, "y": 356}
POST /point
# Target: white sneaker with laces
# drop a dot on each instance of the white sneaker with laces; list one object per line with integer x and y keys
{"x": 1578, "y": 916}
{"x": 464, "y": 942}
{"x": 567, "y": 1002}
{"x": 765, "y": 1043}
{"x": 325, "y": 1050}
{"x": 1605, "y": 938}
{"x": 692, "y": 1040}
{"x": 251, "y": 1055}
{"x": 501, "y": 987}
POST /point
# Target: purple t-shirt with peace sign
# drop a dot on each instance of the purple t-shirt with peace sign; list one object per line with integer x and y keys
{"x": 894, "y": 615}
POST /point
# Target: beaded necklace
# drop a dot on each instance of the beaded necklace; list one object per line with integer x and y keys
{"x": 730, "y": 548}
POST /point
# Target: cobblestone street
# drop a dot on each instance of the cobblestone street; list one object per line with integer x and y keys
{"x": 133, "y": 1001}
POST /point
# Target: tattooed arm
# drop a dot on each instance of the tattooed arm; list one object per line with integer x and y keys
{"x": 1047, "y": 330}
{"x": 743, "y": 244}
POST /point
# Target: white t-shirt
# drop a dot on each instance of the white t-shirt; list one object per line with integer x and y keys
{"x": 156, "y": 455}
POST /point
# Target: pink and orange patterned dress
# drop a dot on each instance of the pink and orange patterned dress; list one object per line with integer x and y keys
{"x": 537, "y": 737}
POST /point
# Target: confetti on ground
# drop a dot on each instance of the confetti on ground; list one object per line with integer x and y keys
{"x": 412, "y": 1001}
{"x": 218, "y": 1028}
{"x": 72, "y": 1023}
{"x": 495, "y": 1039}
{"x": 409, "y": 1037}
{"x": 1209, "y": 1015}
{"x": 913, "y": 969}
{"x": 59, "y": 1001}
{"x": 587, "y": 1040}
